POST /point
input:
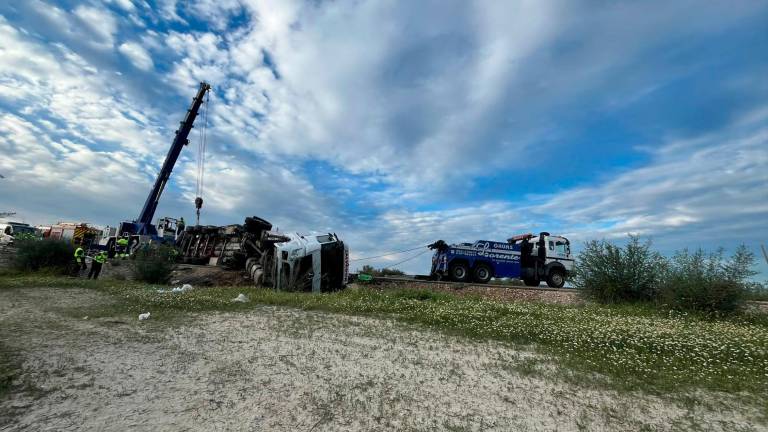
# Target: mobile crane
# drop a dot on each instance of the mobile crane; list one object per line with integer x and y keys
{"x": 142, "y": 228}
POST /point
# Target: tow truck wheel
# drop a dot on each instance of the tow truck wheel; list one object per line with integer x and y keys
{"x": 482, "y": 273}
{"x": 531, "y": 282}
{"x": 556, "y": 279}
{"x": 459, "y": 272}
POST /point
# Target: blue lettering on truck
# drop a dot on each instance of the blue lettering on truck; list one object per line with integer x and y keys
{"x": 503, "y": 258}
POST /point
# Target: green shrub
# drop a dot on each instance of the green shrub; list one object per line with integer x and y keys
{"x": 757, "y": 291}
{"x": 368, "y": 269}
{"x": 706, "y": 282}
{"x": 154, "y": 264}
{"x": 35, "y": 255}
{"x": 609, "y": 273}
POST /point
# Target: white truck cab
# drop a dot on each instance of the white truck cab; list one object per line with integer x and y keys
{"x": 304, "y": 261}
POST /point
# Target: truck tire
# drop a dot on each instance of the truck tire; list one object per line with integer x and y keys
{"x": 459, "y": 272}
{"x": 531, "y": 282}
{"x": 556, "y": 278}
{"x": 482, "y": 273}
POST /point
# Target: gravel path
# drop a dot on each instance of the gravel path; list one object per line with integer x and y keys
{"x": 288, "y": 370}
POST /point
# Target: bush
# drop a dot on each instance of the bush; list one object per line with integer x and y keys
{"x": 367, "y": 269}
{"x": 707, "y": 282}
{"x": 610, "y": 273}
{"x": 35, "y": 255}
{"x": 154, "y": 264}
{"x": 757, "y": 291}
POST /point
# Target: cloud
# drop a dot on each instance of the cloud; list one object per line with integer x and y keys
{"x": 706, "y": 189}
{"x": 56, "y": 179}
{"x": 423, "y": 94}
{"x": 137, "y": 55}
{"x": 100, "y": 21}
{"x": 126, "y": 5}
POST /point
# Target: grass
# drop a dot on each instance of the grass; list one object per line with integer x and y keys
{"x": 632, "y": 347}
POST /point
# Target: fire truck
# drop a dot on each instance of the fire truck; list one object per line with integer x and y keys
{"x": 528, "y": 257}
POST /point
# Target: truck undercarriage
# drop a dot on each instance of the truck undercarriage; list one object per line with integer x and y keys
{"x": 285, "y": 261}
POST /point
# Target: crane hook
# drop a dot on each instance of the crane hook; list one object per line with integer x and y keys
{"x": 198, "y": 204}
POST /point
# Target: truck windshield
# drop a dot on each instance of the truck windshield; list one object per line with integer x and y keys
{"x": 19, "y": 229}
{"x": 560, "y": 247}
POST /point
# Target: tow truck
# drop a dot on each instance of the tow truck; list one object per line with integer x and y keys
{"x": 531, "y": 258}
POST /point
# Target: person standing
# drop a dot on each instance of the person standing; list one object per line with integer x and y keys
{"x": 98, "y": 260}
{"x": 180, "y": 226}
{"x": 122, "y": 247}
{"x": 79, "y": 261}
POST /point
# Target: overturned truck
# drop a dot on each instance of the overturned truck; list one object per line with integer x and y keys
{"x": 284, "y": 261}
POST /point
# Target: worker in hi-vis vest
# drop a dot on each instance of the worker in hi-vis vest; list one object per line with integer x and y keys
{"x": 97, "y": 261}
{"x": 122, "y": 247}
{"x": 79, "y": 261}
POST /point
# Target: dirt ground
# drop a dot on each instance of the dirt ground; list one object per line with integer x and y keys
{"x": 290, "y": 370}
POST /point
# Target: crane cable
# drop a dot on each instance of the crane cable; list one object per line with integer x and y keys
{"x": 201, "y": 147}
{"x": 389, "y": 253}
{"x": 408, "y": 259}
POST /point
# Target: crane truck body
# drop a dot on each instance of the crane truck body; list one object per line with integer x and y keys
{"x": 531, "y": 258}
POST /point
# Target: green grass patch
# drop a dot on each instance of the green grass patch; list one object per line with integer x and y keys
{"x": 634, "y": 346}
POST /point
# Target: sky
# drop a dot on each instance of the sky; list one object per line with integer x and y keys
{"x": 395, "y": 124}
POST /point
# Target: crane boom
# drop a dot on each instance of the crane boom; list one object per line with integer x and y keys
{"x": 143, "y": 224}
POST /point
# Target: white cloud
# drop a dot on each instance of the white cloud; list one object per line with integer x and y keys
{"x": 126, "y": 5}
{"x": 101, "y": 22}
{"x": 708, "y": 189}
{"x": 60, "y": 84}
{"x": 137, "y": 55}
{"x": 421, "y": 93}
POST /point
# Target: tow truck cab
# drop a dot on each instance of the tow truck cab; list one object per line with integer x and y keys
{"x": 531, "y": 258}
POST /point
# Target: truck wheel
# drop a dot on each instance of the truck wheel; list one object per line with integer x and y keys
{"x": 531, "y": 282}
{"x": 482, "y": 273}
{"x": 556, "y": 279}
{"x": 459, "y": 272}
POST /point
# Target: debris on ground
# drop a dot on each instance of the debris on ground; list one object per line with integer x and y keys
{"x": 144, "y": 316}
{"x": 179, "y": 289}
{"x": 240, "y": 299}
